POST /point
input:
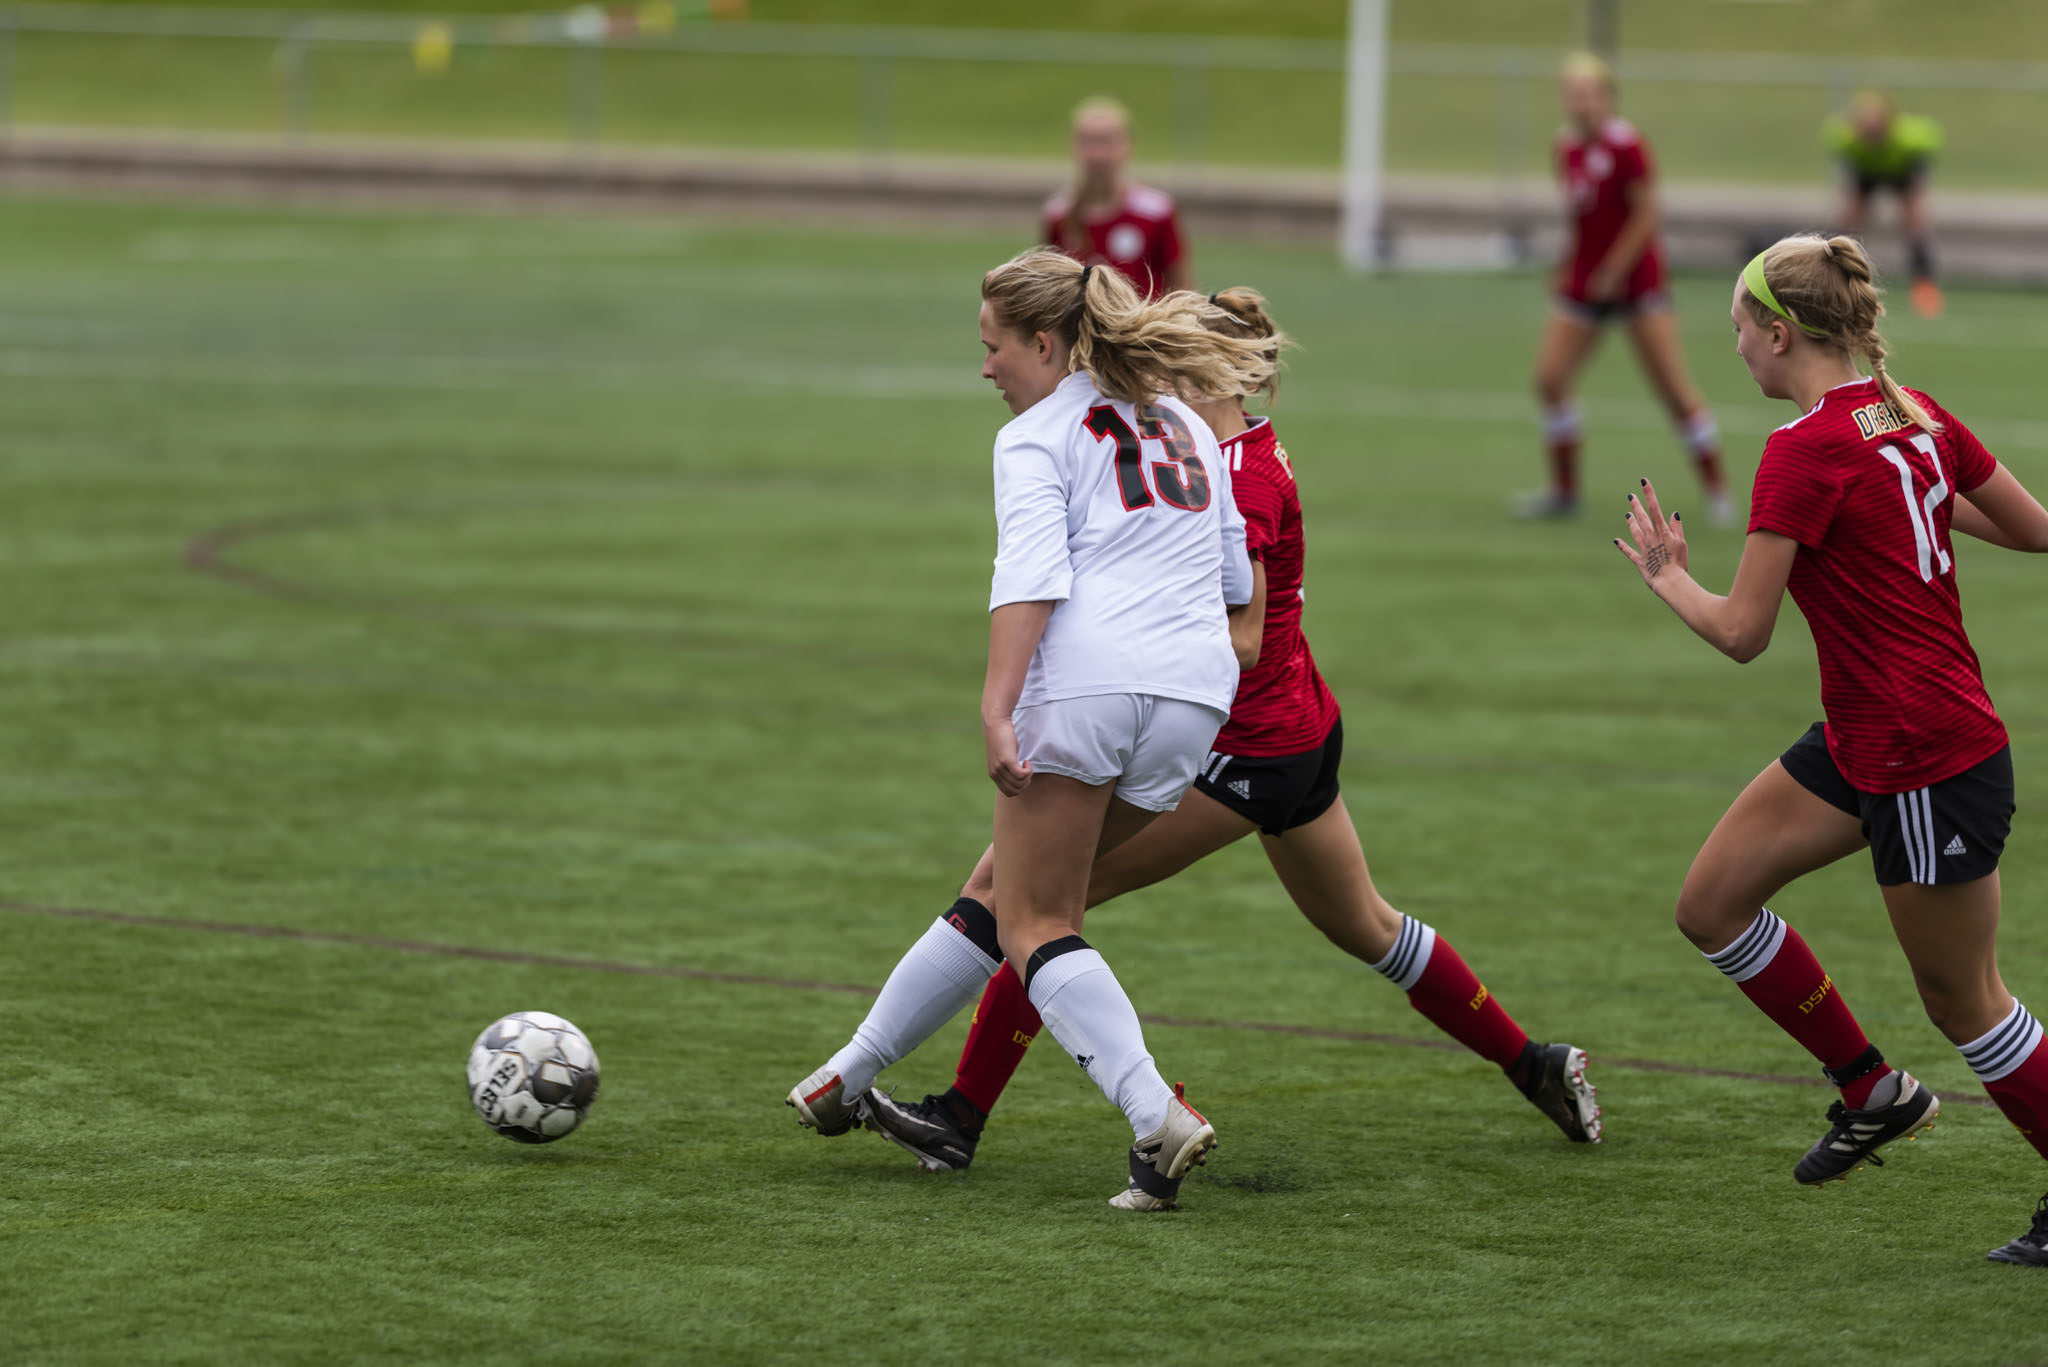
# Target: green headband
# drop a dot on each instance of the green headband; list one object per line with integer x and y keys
{"x": 1760, "y": 290}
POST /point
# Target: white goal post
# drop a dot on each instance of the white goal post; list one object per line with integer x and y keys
{"x": 1365, "y": 105}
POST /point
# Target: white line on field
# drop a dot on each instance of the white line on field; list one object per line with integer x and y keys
{"x": 499, "y": 242}
{"x": 504, "y": 374}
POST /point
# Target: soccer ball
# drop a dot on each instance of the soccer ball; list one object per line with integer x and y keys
{"x": 532, "y": 1076}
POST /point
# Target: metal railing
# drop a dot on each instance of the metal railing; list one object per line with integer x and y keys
{"x": 881, "y": 70}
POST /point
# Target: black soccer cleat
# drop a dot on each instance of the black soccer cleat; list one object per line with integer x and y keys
{"x": 1556, "y": 1085}
{"x": 1856, "y": 1136}
{"x": 2031, "y": 1248}
{"x": 926, "y": 1128}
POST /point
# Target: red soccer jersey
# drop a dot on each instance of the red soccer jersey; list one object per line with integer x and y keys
{"x": 1140, "y": 237}
{"x": 1283, "y": 706}
{"x": 1868, "y": 496}
{"x": 1597, "y": 172}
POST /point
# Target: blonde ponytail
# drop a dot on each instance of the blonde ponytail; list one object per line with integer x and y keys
{"x": 1826, "y": 287}
{"x": 1240, "y": 311}
{"x": 1132, "y": 349}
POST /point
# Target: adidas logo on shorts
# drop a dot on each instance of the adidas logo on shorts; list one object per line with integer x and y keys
{"x": 1955, "y": 846}
{"x": 1242, "y": 787}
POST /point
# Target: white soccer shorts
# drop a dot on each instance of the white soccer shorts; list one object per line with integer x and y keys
{"x": 1150, "y": 747}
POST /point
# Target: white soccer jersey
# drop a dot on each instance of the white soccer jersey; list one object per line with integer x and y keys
{"x": 1123, "y": 517}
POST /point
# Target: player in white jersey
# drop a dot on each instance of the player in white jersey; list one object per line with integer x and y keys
{"x": 1110, "y": 670}
{"x": 1121, "y": 514}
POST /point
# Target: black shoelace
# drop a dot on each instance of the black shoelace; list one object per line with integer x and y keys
{"x": 1838, "y": 1117}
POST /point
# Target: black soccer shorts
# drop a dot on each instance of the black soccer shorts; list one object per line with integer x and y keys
{"x": 1277, "y": 792}
{"x": 1948, "y": 832}
{"x": 1865, "y": 184}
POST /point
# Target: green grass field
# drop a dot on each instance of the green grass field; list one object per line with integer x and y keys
{"x": 613, "y": 590}
{"x": 1467, "y": 124}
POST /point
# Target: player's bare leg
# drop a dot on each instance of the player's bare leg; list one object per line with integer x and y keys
{"x": 1566, "y": 344}
{"x": 1854, "y": 211}
{"x": 1176, "y": 840}
{"x": 943, "y": 1129}
{"x": 1774, "y": 833}
{"x": 1323, "y": 867}
{"x": 1950, "y": 935}
{"x": 1778, "y": 831}
{"x": 1047, "y": 838}
{"x": 1927, "y": 300}
{"x": 945, "y": 969}
{"x": 1660, "y": 350}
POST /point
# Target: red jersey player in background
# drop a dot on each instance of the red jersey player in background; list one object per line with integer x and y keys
{"x": 1106, "y": 219}
{"x": 1274, "y": 772}
{"x": 1852, "y": 510}
{"x": 1613, "y": 271}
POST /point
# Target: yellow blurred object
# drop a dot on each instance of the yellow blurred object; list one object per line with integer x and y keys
{"x": 728, "y": 9}
{"x": 432, "y": 47}
{"x": 657, "y": 16}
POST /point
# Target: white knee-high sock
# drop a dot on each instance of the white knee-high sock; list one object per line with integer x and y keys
{"x": 943, "y": 972}
{"x": 1084, "y": 1006}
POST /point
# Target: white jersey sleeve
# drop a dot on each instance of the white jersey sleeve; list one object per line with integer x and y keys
{"x": 1237, "y": 561}
{"x": 1033, "y": 564}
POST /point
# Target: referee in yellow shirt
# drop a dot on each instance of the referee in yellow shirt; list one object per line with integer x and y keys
{"x": 1881, "y": 149}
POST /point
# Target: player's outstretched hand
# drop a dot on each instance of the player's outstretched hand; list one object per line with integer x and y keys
{"x": 1659, "y": 540}
{"x": 1010, "y": 774}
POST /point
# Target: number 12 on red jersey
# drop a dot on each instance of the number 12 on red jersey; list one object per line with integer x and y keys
{"x": 1920, "y": 512}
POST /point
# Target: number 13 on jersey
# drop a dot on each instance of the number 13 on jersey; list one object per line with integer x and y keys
{"x": 1181, "y": 479}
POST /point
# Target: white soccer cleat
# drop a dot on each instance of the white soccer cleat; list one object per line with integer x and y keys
{"x": 1543, "y": 505}
{"x": 822, "y": 1104}
{"x": 1557, "y": 1087}
{"x": 1162, "y": 1158}
{"x": 1720, "y": 510}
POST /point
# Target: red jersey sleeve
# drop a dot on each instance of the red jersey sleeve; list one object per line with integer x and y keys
{"x": 1970, "y": 463}
{"x": 1259, "y": 502}
{"x": 1796, "y": 494}
{"x": 1170, "y": 248}
{"x": 1632, "y": 162}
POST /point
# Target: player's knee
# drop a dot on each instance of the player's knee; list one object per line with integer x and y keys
{"x": 1701, "y": 919}
{"x": 1022, "y": 938}
{"x": 1942, "y": 1007}
{"x": 1552, "y": 386}
{"x": 1366, "y": 929}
